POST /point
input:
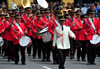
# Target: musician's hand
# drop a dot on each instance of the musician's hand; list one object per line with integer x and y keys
{"x": 25, "y": 32}
{"x": 2, "y": 31}
{"x": 30, "y": 27}
{"x": 16, "y": 38}
{"x": 74, "y": 38}
{"x": 53, "y": 47}
{"x": 42, "y": 27}
{"x": 86, "y": 34}
{"x": 73, "y": 25}
{"x": 80, "y": 28}
{"x": 36, "y": 32}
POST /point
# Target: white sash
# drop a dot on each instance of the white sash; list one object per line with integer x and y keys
{"x": 92, "y": 23}
{"x": 19, "y": 28}
{"x": 57, "y": 22}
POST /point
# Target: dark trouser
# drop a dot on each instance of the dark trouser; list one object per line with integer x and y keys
{"x": 91, "y": 52}
{"x": 55, "y": 54}
{"x": 22, "y": 49}
{"x": 98, "y": 50}
{"x": 29, "y": 48}
{"x": 81, "y": 51}
{"x": 11, "y": 50}
{"x": 62, "y": 56}
{"x": 72, "y": 47}
{"x": 4, "y": 48}
{"x": 37, "y": 45}
{"x": 46, "y": 48}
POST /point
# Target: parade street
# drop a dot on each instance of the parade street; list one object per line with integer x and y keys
{"x": 38, "y": 64}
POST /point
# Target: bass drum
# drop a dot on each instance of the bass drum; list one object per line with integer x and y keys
{"x": 25, "y": 41}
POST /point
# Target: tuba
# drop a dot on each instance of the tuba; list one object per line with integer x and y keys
{"x": 25, "y": 3}
{"x": 43, "y": 3}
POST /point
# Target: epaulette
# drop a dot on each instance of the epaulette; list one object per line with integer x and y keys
{"x": 67, "y": 26}
{"x": 96, "y": 18}
{"x": 30, "y": 15}
{"x": 34, "y": 19}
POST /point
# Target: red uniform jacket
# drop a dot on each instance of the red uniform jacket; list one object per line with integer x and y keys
{"x": 87, "y": 28}
{"x": 45, "y": 22}
{"x": 51, "y": 28}
{"x": 35, "y": 26}
{"x": 80, "y": 34}
{"x": 69, "y": 23}
{"x": 16, "y": 33}
{"x": 24, "y": 18}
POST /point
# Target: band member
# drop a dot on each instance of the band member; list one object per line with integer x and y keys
{"x": 89, "y": 28}
{"x": 71, "y": 24}
{"x": 36, "y": 37}
{"x": 2, "y": 30}
{"x": 98, "y": 28}
{"x": 9, "y": 39}
{"x": 17, "y": 31}
{"x": 66, "y": 24}
{"x": 46, "y": 47}
{"x": 81, "y": 50}
{"x": 12, "y": 20}
{"x": 24, "y": 18}
{"x": 29, "y": 29}
{"x": 61, "y": 38}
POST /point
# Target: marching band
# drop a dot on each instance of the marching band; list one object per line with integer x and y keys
{"x": 62, "y": 34}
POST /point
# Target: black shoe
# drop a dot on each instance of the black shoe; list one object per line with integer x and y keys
{"x": 48, "y": 60}
{"x": 16, "y": 62}
{"x": 71, "y": 57}
{"x": 43, "y": 60}
{"x": 9, "y": 60}
{"x": 88, "y": 63}
{"x": 54, "y": 62}
{"x": 93, "y": 63}
{"x": 29, "y": 54}
{"x": 23, "y": 63}
{"x": 83, "y": 60}
{"x": 39, "y": 57}
{"x": 13, "y": 59}
{"x": 78, "y": 59}
{"x": 34, "y": 57}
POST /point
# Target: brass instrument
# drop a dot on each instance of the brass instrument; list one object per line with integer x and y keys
{"x": 25, "y": 3}
{"x": 37, "y": 34}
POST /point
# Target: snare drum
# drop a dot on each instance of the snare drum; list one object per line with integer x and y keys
{"x": 95, "y": 40}
{"x": 46, "y": 36}
{"x": 25, "y": 41}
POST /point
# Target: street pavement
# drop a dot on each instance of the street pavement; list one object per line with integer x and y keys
{"x": 38, "y": 64}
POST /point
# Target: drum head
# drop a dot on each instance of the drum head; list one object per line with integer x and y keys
{"x": 24, "y": 41}
{"x": 44, "y": 30}
{"x": 95, "y": 40}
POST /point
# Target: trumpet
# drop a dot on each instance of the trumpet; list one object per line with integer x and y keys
{"x": 37, "y": 34}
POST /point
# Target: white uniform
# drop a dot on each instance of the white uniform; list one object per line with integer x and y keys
{"x": 61, "y": 38}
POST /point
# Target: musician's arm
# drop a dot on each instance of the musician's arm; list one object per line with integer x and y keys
{"x": 84, "y": 28}
{"x": 33, "y": 30}
{"x": 13, "y": 33}
{"x": 50, "y": 29}
{"x": 7, "y": 27}
{"x": 25, "y": 30}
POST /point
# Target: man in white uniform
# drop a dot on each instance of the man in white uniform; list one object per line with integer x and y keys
{"x": 61, "y": 38}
